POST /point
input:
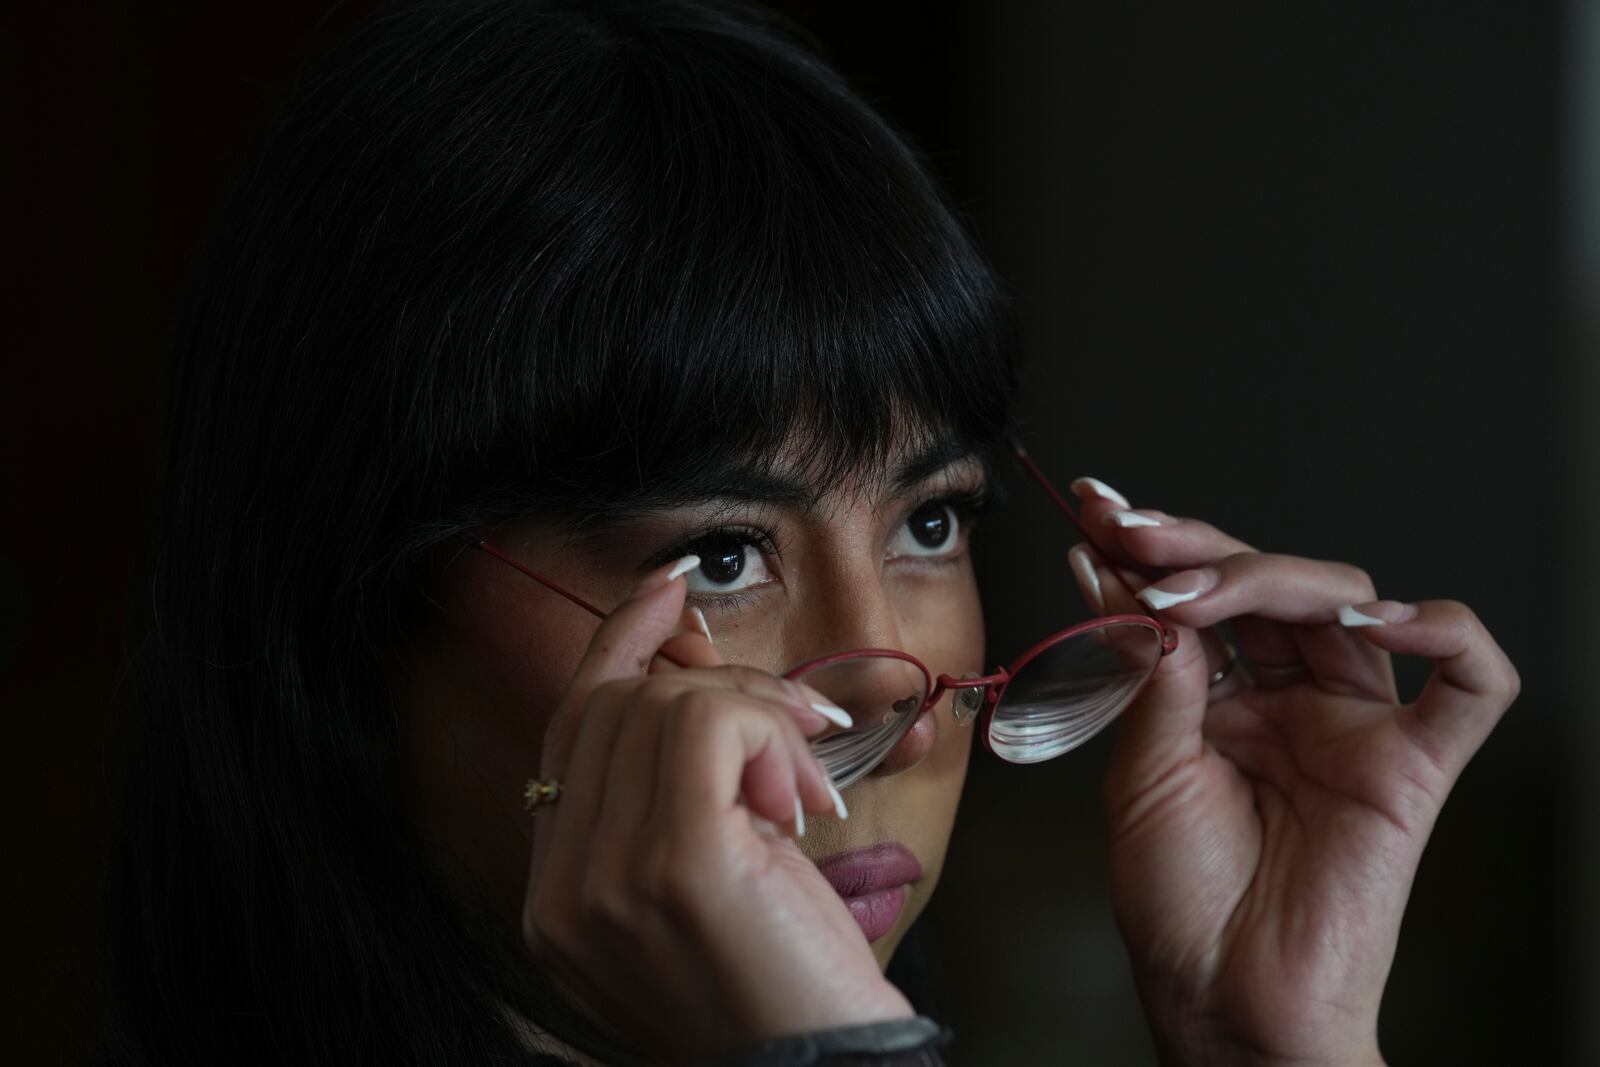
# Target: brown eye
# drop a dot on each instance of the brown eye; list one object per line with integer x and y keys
{"x": 729, "y": 562}
{"x": 722, "y": 560}
{"x": 928, "y": 531}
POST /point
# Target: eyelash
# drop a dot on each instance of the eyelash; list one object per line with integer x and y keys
{"x": 969, "y": 505}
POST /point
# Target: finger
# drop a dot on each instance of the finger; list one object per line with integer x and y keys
{"x": 1288, "y": 599}
{"x": 639, "y": 763}
{"x": 609, "y": 780}
{"x": 1473, "y": 684}
{"x": 1161, "y": 728}
{"x": 1086, "y": 563}
{"x": 622, "y": 647}
{"x": 1156, "y": 539}
{"x": 1099, "y": 500}
{"x": 812, "y": 715}
{"x": 563, "y": 833}
{"x": 626, "y": 792}
{"x": 721, "y": 756}
{"x": 691, "y": 646}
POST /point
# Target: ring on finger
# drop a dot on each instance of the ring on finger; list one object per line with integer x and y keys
{"x": 1230, "y": 661}
{"x": 539, "y": 793}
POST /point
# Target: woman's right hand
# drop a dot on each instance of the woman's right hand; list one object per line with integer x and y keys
{"x": 665, "y": 888}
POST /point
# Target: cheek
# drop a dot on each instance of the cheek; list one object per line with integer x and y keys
{"x": 477, "y": 689}
{"x": 943, "y": 626}
{"x": 508, "y": 655}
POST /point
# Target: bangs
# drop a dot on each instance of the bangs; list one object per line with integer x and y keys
{"x": 703, "y": 251}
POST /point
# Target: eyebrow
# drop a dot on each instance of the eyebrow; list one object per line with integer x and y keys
{"x": 741, "y": 482}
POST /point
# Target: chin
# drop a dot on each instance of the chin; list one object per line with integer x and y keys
{"x": 883, "y": 949}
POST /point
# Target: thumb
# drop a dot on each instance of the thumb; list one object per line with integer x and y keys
{"x": 1161, "y": 729}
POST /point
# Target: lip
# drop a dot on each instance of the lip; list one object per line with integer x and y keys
{"x": 872, "y": 882}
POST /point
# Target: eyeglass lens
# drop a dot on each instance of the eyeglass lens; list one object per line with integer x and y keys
{"x": 882, "y": 695}
{"x": 1056, "y": 699}
{"x": 1071, "y": 690}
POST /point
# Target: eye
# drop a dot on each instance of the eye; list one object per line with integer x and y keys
{"x": 931, "y": 530}
{"x": 729, "y": 562}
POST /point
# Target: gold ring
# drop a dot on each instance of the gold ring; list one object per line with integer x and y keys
{"x": 538, "y": 793}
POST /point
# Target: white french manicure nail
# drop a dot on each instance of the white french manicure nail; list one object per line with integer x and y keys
{"x": 1349, "y": 616}
{"x": 838, "y": 716}
{"x": 838, "y": 803}
{"x": 1181, "y": 588}
{"x": 683, "y": 566}
{"x": 700, "y": 617}
{"x": 799, "y": 818}
{"x": 1159, "y": 599}
{"x": 1101, "y": 489}
{"x": 1088, "y": 577}
{"x": 1131, "y": 519}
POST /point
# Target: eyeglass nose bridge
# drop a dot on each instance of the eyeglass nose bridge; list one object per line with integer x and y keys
{"x": 971, "y": 693}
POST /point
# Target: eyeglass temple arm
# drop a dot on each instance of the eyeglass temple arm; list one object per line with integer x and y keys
{"x": 1044, "y": 483}
{"x": 550, "y": 584}
{"x": 486, "y": 547}
{"x": 1150, "y": 573}
{"x": 1169, "y": 639}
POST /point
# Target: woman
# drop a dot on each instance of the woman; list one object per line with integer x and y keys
{"x": 640, "y": 298}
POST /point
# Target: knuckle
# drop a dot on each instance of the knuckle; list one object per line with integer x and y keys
{"x": 675, "y": 891}
{"x": 611, "y": 692}
{"x": 747, "y": 679}
{"x": 699, "y": 707}
{"x": 1358, "y": 578}
{"x": 1468, "y": 633}
{"x": 1513, "y": 681}
{"x": 543, "y": 922}
{"x": 1461, "y": 622}
{"x": 607, "y": 908}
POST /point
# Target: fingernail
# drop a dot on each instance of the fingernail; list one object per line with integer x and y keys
{"x": 1178, "y": 588}
{"x": 1129, "y": 520}
{"x": 1080, "y": 486}
{"x": 838, "y": 716}
{"x": 799, "y": 818}
{"x": 661, "y": 576}
{"x": 838, "y": 802}
{"x": 1088, "y": 577}
{"x": 683, "y": 566}
{"x": 700, "y": 617}
{"x": 1376, "y": 613}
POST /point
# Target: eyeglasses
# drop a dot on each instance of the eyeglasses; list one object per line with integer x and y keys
{"x": 1049, "y": 700}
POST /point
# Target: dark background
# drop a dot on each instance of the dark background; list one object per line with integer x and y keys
{"x": 1293, "y": 268}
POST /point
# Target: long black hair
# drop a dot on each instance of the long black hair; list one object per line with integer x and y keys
{"x": 495, "y": 258}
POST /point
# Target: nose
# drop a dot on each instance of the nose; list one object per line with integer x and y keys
{"x": 884, "y": 695}
{"x": 881, "y": 693}
{"x": 878, "y": 691}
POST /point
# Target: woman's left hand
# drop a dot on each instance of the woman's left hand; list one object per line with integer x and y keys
{"x": 1264, "y": 837}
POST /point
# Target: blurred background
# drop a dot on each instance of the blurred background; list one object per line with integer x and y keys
{"x": 1323, "y": 274}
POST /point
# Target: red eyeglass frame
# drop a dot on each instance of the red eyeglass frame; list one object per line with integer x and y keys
{"x": 994, "y": 685}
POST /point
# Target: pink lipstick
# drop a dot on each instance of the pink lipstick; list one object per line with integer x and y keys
{"x": 872, "y": 882}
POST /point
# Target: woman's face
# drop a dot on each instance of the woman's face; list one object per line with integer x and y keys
{"x": 791, "y": 570}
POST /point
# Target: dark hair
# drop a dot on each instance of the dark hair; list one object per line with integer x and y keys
{"x": 495, "y": 258}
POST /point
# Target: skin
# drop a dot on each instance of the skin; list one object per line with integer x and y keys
{"x": 484, "y": 682}
{"x": 1263, "y": 837}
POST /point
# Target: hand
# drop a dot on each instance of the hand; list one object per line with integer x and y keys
{"x": 663, "y": 889}
{"x": 1264, "y": 841}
